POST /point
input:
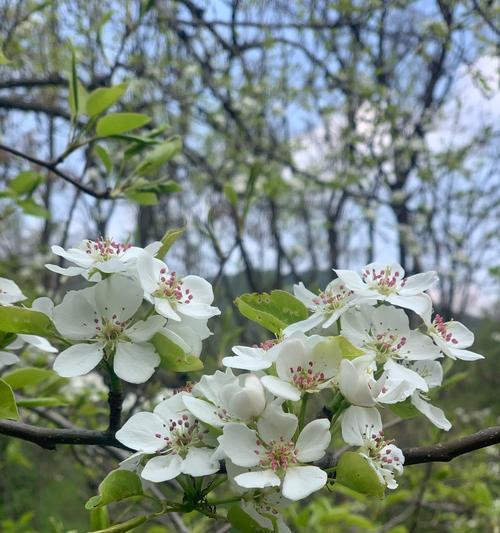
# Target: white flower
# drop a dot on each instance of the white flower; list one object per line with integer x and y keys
{"x": 104, "y": 255}
{"x": 388, "y": 283}
{"x": 10, "y": 293}
{"x": 227, "y": 398}
{"x": 102, "y": 315}
{"x": 175, "y": 297}
{"x": 362, "y": 426}
{"x": 327, "y": 306}
{"x": 254, "y": 358}
{"x": 433, "y": 413}
{"x": 177, "y": 440}
{"x": 188, "y": 334}
{"x": 7, "y": 358}
{"x": 384, "y": 334}
{"x": 304, "y": 364}
{"x": 357, "y": 384}
{"x": 451, "y": 338}
{"x": 272, "y": 455}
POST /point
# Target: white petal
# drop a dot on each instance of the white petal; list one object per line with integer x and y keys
{"x": 313, "y": 440}
{"x": 162, "y": 468}
{"x": 420, "y": 303}
{"x": 280, "y": 388}
{"x": 304, "y": 295}
{"x": 275, "y": 424}
{"x": 463, "y": 335}
{"x": 9, "y": 292}
{"x": 74, "y": 255}
{"x": 301, "y": 481}
{"x": 142, "y": 331}
{"x": 74, "y": 317}
{"x": 143, "y": 432}
{"x": 465, "y": 355}
{"x": 199, "y": 311}
{"x": 305, "y": 325}
{"x": 398, "y": 373}
{"x": 352, "y": 280}
{"x": 118, "y": 295}
{"x": 135, "y": 363}
{"x": 258, "y": 480}
{"x": 293, "y": 354}
{"x": 359, "y": 424}
{"x": 433, "y": 413}
{"x": 78, "y": 360}
{"x": 419, "y": 283}
{"x": 44, "y": 305}
{"x": 353, "y": 384}
{"x": 7, "y": 358}
{"x": 418, "y": 347}
{"x": 69, "y": 271}
{"x": 205, "y": 411}
{"x": 149, "y": 269}
{"x": 164, "y": 308}
{"x": 200, "y": 289}
{"x": 39, "y": 342}
{"x": 239, "y": 443}
{"x": 199, "y": 462}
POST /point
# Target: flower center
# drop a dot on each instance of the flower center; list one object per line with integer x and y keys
{"x": 332, "y": 300}
{"x": 105, "y": 249}
{"x": 441, "y": 328}
{"x": 110, "y": 330}
{"x": 183, "y": 432}
{"x": 384, "y": 281}
{"x": 386, "y": 345}
{"x": 170, "y": 288}
{"x": 306, "y": 378}
{"x": 266, "y": 345}
{"x": 278, "y": 455}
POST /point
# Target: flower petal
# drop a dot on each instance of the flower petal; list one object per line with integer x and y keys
{"x": 301, "y": 481}
{"x": 162, "y": 468}
{"x": 433, "y": 413}
{"x": 259, "y": 479}
{"x": 143, "y": 330}
{"x": 118, "y": 295}
{"x": 199, "y": 462}
{"x": 205, "y": 411}
{"x": 239, "y": 443}
{"x": 275, "y": 424}
{"x": 135, "y": 363}
{"x": 465, "y": 355}
{"x": 164, "y": 308}
{"x": 313, "y": 440}
{"x": 200, "y": 289}
{"x": 305, "y": 325}
{"x": 7, "y": 358}
{"x": 78, "y": 360}
{"x": 359, "y": 424}
{"x": 9, "y": 292}
{"x": 74, "y": 317}
{"x": 39, "y": 342}
{"x": 143, "y": 432}
{"x": 419, "y": 303}
{"x": 280, "y": 388}
{"x": 419, "y": 283}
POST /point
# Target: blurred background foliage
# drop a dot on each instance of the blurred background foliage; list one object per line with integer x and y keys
{"x": 316, "y": 134}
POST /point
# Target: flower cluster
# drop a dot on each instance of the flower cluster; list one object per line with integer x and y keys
{"x": 355, "y": 350}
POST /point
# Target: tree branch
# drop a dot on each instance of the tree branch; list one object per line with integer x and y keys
{"x": 53, "y": 168}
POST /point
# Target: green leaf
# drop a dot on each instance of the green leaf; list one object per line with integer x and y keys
{"x": 51, "y": 401}
{"x": 173, "y": 357}
{"x": 3, "y": 58}
{"x": 21, "y": 320}
{"x": 24, "y": 377}
{"x": 348, "y": 350}
{"x": 243, "y": 522}
{"x": 6, "y": 338}
{"x": 124, "y": 526}
{"x": 30, "y": 207}
{"x": 404, "y": 409}
{"x": 116, "y": 123}
{"x": 230, "y": 194}
{"x": 158, "y": 156}
{"x": 168, "y": 240}
{"x": 8, "y": 408}
{"x": 354, "y": 471}
{"x": 142, "y": 198}
{"x": 104, "y": 97}
{"x": 116, "y": 486}
{"x": 274, "y": 311}
{"x": 25, "y": 182}
{"x": 104, "y": 157}
{"x": 99, "y": 518}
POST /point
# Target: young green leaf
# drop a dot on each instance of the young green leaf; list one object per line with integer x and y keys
{"x": 404, "y": 409}
{"x": 8, "y": 408}
{"x": 274, "y": 311}
{"x": 116, "y": 486}
{"x": 24, "y": 377}
{"x": 103, "y": 98}
{"x": 168, "y": 240}
{"x": 173, "y": 357}
{"x": 158, "y": 156}
{"x": 116, "y": 123}
{"x": 103, "y": 155}
{"x": 21, "y": 320}
{"x": 142, "y": 198}
{"x": 30, "y": 207}
{"x": 354, "y": 471}
{"x": 25, "y": 182}
{"x": 243, "y": 522}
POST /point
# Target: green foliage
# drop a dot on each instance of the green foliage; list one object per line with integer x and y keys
{"x": 28, "y": 376}
{"x": 242, "y": 522}
{"x": 116, "y": 123}
{"x": 116, "y": 486}
{"x": 8, "y": 408}
{"x": 274, "y": 311}
{"x": 158, "y": 156}
{"x": 354, "y": 471}
{"x": 103, "y": 98}
{"x": 168, "y": 240}
{"x": 21, "y": 320}
{"x": 404, "y": 409}
{"x": 173, "y": 357}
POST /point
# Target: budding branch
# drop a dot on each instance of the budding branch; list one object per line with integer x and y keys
{"x": 49, "y": 437}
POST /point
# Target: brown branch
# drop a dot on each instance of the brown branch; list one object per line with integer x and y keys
{"x": 53, "y": 168}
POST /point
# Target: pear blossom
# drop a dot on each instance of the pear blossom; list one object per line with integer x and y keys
{"x": 272, "y": 456}
{"x": 175, "y": 297}
{"x": 253, "y": 358}
{"x": 10, "y": 293}
{"x": 223, "y": 397}
{"x": 327, "y": 306}
{"x": 105, "y": 255}
{"x": 362, "y": 426}
{"x": 188, "y": 334}
{"x": 178, "y": 442}
{"x": 451, "y": 338}
{"x": 384, "y": 334}
{"x": 388, "y": 283}
{"x": 102, "y": 316}
{"x": 304, "y": 364}
{"x": 7, "y": 358}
